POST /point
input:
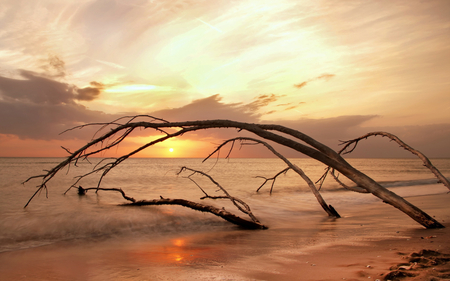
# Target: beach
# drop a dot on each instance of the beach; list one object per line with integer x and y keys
{"x": 72, "y": 237}
{"x": 145, "y": 140}
{"x": 378, "y": 239}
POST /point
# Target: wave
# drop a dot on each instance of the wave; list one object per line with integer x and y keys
{"x": 410, "y": 182}
{"x": 25, "y": 232}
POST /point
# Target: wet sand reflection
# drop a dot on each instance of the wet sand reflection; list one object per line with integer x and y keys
{"x": 177, "y": 251}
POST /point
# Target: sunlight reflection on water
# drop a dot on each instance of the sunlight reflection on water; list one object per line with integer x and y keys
{"x": 96, "y": 215}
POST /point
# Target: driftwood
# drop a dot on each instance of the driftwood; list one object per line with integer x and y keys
{"x": 425, "y": 160}
{"x": 203, "y": 208}
{"x": 119, "y": 130}
{"x": 328, "y": 208}
{"x": 350, "y": 146}
{"x": 220, "y": 212}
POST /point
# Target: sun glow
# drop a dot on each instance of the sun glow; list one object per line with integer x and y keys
{"x": 174, "y": 148}
{"x": 130, "y": 88}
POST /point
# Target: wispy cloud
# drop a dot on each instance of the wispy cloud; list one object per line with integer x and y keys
{"x": 213, "y": 27}
{"x": 111, "y": 64}
{"x": 193, "y": 48}
{"x": 324, "y": 76}
{"x": 54, "y": 66}
{"x": 261, "y": 101}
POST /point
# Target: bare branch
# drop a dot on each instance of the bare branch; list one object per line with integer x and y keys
{"x": 253, "y": 224}
{"x": 425, "y": 160}
{"x": 352, "y": 188}
{"x": 300, "y": 142}
{"x": 203, "y": 208}
{"x": 81, "y": 153}
{"x": 82, "y": 191}
{"x": 284, "y": 171}
{"x": 241, "y": 205}
{"x": 67, "y": 150}
{"x": 328, "y": 208}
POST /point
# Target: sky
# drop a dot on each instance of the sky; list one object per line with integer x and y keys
{"x": 332, "y": 69}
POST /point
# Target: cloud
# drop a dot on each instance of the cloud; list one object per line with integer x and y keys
{"x": 261, "y": 101}
{"x": 35, "y": 89}
{"x": 432, "y": 140}
{"x": 54, "y": 66}
{"x": 42, "y": 90}
{"x": 208, "y": 108}
{"x": 40, "y": 108}
{"x": 301, "y": 85}
{"x": 90, "y": 93}
{"x": 324, "y": 76}
{"x": 213, "y": 108}
{"x": 294, "y": 106}
{"x": 111, "y": 64}
{"x": 328, "y": 131}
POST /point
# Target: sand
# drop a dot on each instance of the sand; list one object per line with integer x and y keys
{"x": 374, "y": 242}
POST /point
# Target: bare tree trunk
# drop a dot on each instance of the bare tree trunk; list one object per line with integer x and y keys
{"x": 311, "y": 148}
{"x": 327, "y": 208}
{"x": 425, "y": 160}
{"x": 203, "y": 208}
{"x": 226, "y": 215}
{"x": 334, "y": 160}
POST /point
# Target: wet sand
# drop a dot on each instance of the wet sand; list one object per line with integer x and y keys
{"x": 366, "y": 244}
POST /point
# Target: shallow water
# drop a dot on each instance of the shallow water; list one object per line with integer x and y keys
{"x": 290, "y": 212}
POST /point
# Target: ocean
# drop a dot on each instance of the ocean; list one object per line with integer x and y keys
{"x": 53, "y": 217}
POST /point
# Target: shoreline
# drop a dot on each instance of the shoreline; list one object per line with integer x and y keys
{"x": 364, "y": 245}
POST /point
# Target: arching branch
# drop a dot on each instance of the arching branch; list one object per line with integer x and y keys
{"x": 294, "y": 140}
{"x": 425, "y": 160}
{"x": 328, "y": 208}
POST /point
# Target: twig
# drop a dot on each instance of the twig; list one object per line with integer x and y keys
{"x": 328, "y": 208}
{"x": 284, "y": 171}
{"x": 425, "y": 160}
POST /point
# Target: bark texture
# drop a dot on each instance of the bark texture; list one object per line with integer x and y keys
{"x": 121, "y": 128}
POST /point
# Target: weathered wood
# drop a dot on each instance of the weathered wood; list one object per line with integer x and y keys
{"x": 425, "y": 160}
{"x": 202, "y": 208}
{"x": 241, "y": 205}
{"x": 330, "y": 211}
{"x": 309, "y": 147}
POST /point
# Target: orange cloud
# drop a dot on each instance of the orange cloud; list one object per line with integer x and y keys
{"x": 90, "y": 93}
{"x": 301, "y": 85}
{"x": 324, "y": 76}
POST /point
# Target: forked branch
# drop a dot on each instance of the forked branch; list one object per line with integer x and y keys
{"x": 241, "y": 205}
{"x": 273, "y": 179}
{"x": 328, "y": 208}
{"x": 336, "y": 178}
{"x": 220, "y": 212}
{"x": 120, "y": 130}
{"x": 427, "y": 163}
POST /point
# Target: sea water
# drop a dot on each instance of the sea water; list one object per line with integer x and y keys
{"x": 53, "y": 216}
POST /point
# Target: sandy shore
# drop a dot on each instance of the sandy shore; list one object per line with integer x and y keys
{"x": 366, "y": 244}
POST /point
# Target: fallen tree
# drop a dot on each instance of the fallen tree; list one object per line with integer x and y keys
{"x": 253, "y": 223}
{"x": 121, "y": 128}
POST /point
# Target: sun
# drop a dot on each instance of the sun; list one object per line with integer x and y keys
{"x": 170, "y": 149}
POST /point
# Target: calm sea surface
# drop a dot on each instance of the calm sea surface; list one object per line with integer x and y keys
{"x": 54, "y": 217}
